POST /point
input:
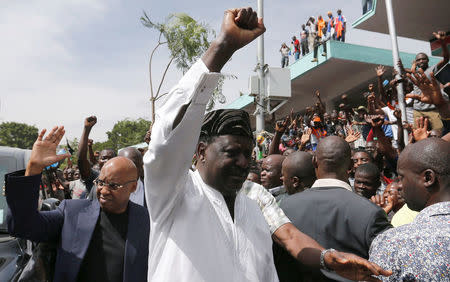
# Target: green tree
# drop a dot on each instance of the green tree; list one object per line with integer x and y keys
{"x": 19, "y": 135}
{"x": 125, "y": 133}
{"x": 186, "y": 40}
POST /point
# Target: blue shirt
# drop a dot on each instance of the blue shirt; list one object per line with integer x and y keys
{"x": 419, "y": 251}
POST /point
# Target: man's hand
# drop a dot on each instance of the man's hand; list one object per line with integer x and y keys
{"x": 440, "y": 35}
{"x": 89, "y": 122}
{"x": 354, "y": 267}
{"x": 387, "y": 204}
{"x": 90, "y": 142}
{"x": 44, "y": 151}
{"x": 239, "y": 27}
{"x": 421, "y": 130}
{"x": 281, "y": 126}
{"x": 306, "y": 136}
{"x": 317, "y": 93}
{"x": 431, "y": 91}
{"x": 376, "y": 120}
{"x": 398, "y": 114}
{"x": 380, "y": 70}
{"x": 352, "y": 135}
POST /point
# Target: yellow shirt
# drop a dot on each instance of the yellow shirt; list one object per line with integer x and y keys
{"x": 403, "y": 216}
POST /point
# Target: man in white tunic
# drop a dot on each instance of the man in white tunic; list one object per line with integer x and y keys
{"x": 203, "y": 225}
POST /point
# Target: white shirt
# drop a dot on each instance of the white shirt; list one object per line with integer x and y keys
{"x": 192, "y": 235}
{"x": 331, "y": 182}
{"x": 138, "y": 195}
{"x": 390, "y": 114}
{"x": 272, "y": 213}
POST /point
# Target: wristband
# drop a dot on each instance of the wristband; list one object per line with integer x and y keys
{"x": 322, "y": 259}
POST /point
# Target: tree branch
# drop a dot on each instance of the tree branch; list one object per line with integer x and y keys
{"x": 162, "y": 95}
{"x": 164, "y": 75}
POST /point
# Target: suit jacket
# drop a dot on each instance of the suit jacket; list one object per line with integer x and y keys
{"x": 336, "y": 218}
{"x": 71, "y": 226}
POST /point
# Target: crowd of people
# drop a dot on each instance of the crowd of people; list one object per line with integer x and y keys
{"x": 329, "y": 196}
{"x": 313, "y": 34}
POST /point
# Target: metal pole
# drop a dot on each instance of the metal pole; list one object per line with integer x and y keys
{"x": 260, "y": 108}
{"x": 395, "y": 55}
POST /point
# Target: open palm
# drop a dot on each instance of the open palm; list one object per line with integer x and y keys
{"x": 44, "y": 150}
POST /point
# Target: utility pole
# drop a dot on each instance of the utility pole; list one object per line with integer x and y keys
{"x": 260, "y": 108}
{"x": 395, "y": 55}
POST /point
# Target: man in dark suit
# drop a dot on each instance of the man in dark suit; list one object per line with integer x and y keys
{"x": 331, "y": 213}
{"x": 104, "y": 240}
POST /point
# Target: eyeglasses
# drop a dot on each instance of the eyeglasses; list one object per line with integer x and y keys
{"x": 111, "y": 186}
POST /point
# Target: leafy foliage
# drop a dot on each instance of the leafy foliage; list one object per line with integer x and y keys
{"x": 124, "y": 133}
{"x": 186, "y": 39}
{"x": 19, "y": 135}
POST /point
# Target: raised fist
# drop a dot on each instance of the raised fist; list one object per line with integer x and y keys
{"x": 89, "y": 122}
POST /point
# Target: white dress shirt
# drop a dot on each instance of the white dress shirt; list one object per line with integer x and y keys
{"x": 138, "y": 195}
{"x": 331, "y": 182}
{"x": 192, "y": 235}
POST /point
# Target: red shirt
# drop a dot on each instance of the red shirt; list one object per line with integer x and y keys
{"x": 297, "y": 45}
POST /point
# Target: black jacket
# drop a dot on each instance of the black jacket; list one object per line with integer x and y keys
{"x": 336, "y": 218}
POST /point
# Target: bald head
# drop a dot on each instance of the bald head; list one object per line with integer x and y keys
{"x": 424, "y": 169}
{"x": 430, "y": 153}
{"x": 298, "y": 172}
{"x": 135, "y": 156}
{"x": 120, "y": 168}
{"x": 333, "y": 158}
{"x": 117, "y": 180}
{"x": 271, "y": 171}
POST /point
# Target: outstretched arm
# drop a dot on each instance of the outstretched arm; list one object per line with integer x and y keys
{"x": 431, "y": 92}
{"x": 307, "y": 251}
{"x": 22, "y": 193}
{"x": 280, "y": 128}
{"x": 91, "y": 151}
{"x": 440, "y": 36}
{"x": 177, "y": 127}
{"x": 83, "y": 162}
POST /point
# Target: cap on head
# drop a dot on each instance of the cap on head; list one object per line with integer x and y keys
{"x": 226, "y": 122}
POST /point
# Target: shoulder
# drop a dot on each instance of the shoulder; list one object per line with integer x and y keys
{"x": 139, "y": 210}
{"x": 334, "y": 196}
{"x": 75, "y": 203}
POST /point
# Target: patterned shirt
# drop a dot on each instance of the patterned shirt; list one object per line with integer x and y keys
{"x": 272, "y": 213}
{"x": 419, "y": 251}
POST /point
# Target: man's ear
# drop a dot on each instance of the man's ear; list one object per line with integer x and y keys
{"x": 133, "y": 187}
{"x": 296, "y": 182}
{"x": 429, "y": 178}
{"x": 200, "y": 152}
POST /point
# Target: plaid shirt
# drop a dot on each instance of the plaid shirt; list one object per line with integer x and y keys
{"x": 419, "y": 251}
{"x": 272, "y": 213}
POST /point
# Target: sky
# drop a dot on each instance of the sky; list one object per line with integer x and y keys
{"x": 62, "y": 61}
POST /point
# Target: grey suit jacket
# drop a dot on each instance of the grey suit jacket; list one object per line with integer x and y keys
{"x": 336, "y": 218}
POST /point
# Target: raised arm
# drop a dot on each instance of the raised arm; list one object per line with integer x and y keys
{"x": 91, "y": 151}
{"x": 380, "y": 70}
{"x": 177, "y": 127}
{"x": 440, "y": 36}
{"x": 384, "y": 143}
{"x": 22, "y": 193}
{"x": 280, "y": 128}
{"x": 431, "y": 92}
{"x": 83, "y": 162}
